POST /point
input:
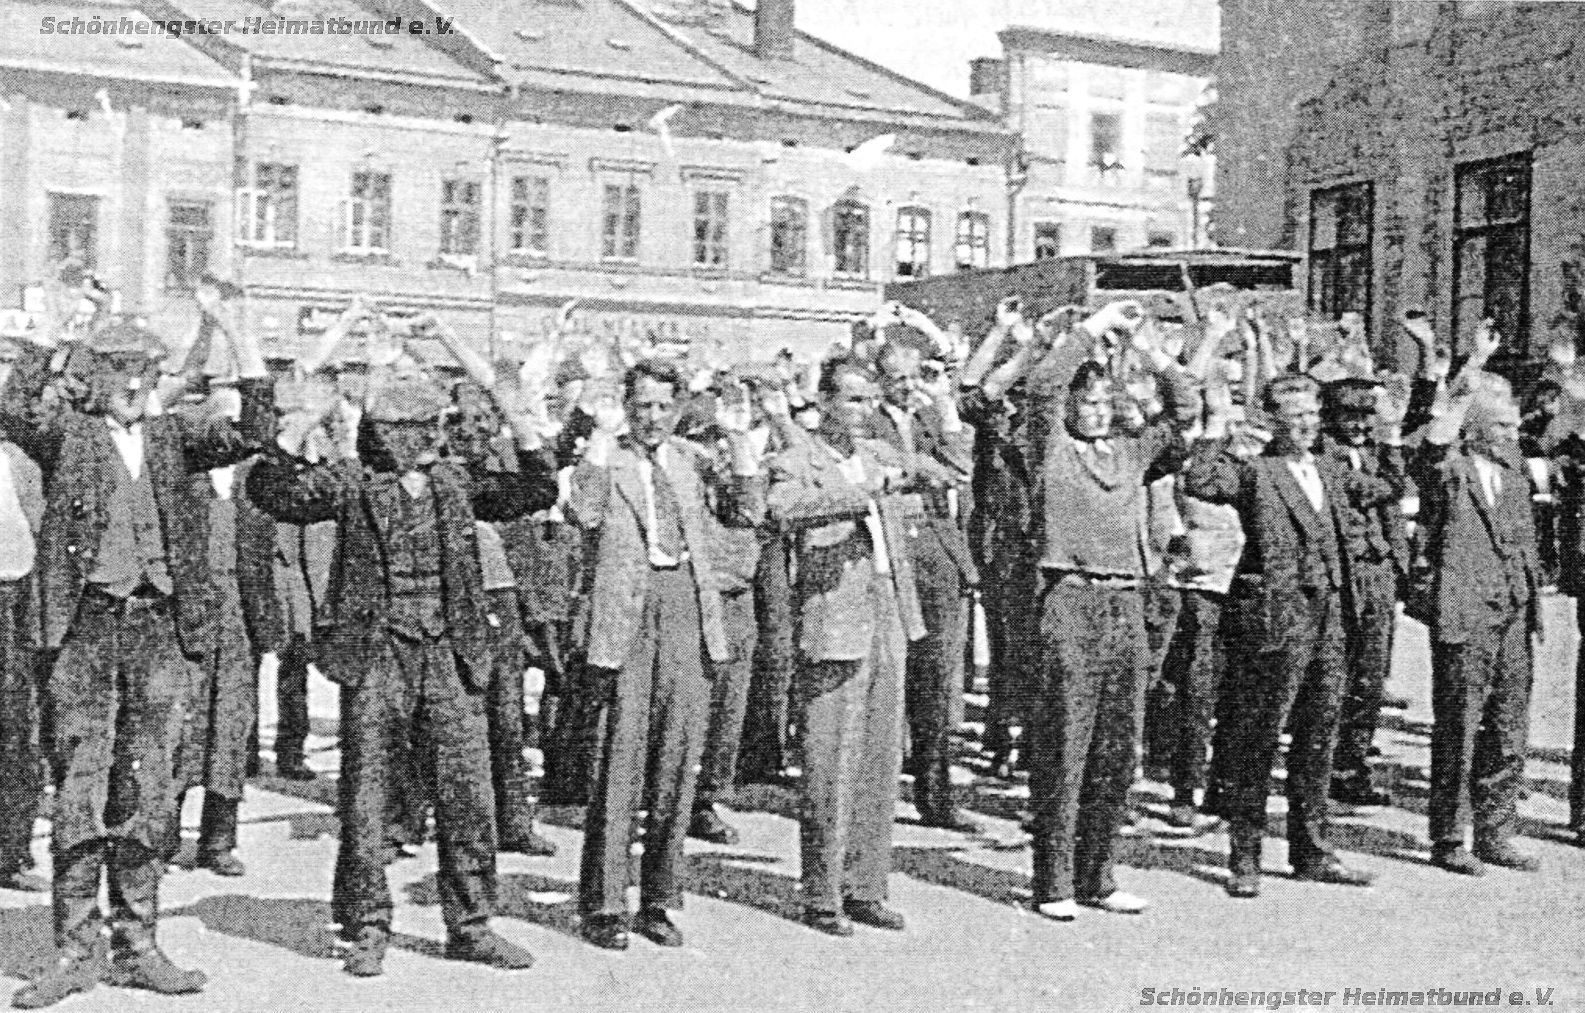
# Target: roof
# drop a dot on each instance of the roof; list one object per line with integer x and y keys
{"x": 625, "y": 45}
{"x": 400, "y": 54}
{"x": 147, "y": 57}
{"x": 1113, "y": 50}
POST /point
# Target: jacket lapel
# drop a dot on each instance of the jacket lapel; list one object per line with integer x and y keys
{"x": 1293, "y": 495}
{"x": 379, "y": 496}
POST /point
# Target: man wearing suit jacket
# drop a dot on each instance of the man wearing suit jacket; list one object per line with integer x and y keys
{"x": 404, "y": 633}
{"x": 1485, "y": 606}
{"x": 857, "y": 606}
{"x": 1285, "y": 608}
{"x": 652, "y": 618}
{"x": 1376, "y": 544}
{"x": 21, "y": 759}
{"x": 127, "y": 600}
{"x": 914, "y": 423}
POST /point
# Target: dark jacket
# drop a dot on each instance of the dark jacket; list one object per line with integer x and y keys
{"x": 80, "y": 466}
{"x": 352, "y": 625}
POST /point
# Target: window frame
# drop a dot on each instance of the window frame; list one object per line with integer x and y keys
{"x": 60, "y": 246}
{"x": 915, "y": 238}
{"x": 186, "y": 237}
{"x": 1035, "y": 237}
{"x": 373, "y": 236}
{"x": 461, "y": 216}
{"x": 855, "y": 215}
{"x": 1327, "y": 264}
{"x": 621, "y": 222}
{"x": 794, "y": 220}
{"x": 976, "y": 239}
{"x": 1515, "y": 337}
{"x": 711, "y": 232}
{"x": 268, "y": 209}
{"x": 1096, "y": 230}
{"x": 528, "y": 216}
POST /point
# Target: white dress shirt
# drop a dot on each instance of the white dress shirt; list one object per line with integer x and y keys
{"x": 646, "y": 473}
{"x": 852, "y": 469}
{"x": 1309, "y": 479}
{"x": 1490, "y": 478}
{"x": 129, "y": 444}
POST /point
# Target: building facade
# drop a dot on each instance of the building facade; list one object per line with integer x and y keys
{"x": 1105, "y": 126}
{"x": 1434, "y": 165}
{"x": 685, "y": 169}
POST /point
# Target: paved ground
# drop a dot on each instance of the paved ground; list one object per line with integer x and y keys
{"x": 970, "y": 944}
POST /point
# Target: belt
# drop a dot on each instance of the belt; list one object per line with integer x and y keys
{"x": 1079, "y": 578}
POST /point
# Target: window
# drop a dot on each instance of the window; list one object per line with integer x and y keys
{"x": 74, "y": 229}
{"x": 1103, "y": 239}
{"x": 459, "y": 216}
{"x": 366, "y": 217}
{"x": 186, "y": 245}
{"x": 1161, "y": 239}
{"x": 1048, "y": 240}
{"x": 1106, "y": 141}
{"x": 1164, "y": 139}
{"x": 789, "y": 236}
{"x": 973, "y": 247}
{"x": 531, "y": 215}
{"x": 913, "y": 243}
{"x": 267, "y": 211}
{"x": 1491, "y": 250}
{"x": 1340, "y": 241}
{"x": 620, "y": 222}
{"x": 850, "y": 239}
{"x": 709, "y": 229}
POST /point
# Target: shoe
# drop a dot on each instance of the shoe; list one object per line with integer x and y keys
{"x": 222, "y": 863}
{"x": 1504, "y": 855}
{"x": 489, "y": 949}
{"x": 1457, "y": 860}
{"x": 830, "y": 922}
{"x": 954, "y": 820}
{"x": 656, "y": 926}
{"x": 1187, "y": 817}
{"x": 1243, "y": 885}
{"x": 153, "y": 971}
{"x": 1331, "y": 870}
{"x": 367, "y": 959}
{"x": 874, "y": 914}
{"x": 609, "y": 932}
{"x": 531, "y": 842}
{"x": 1058, "y": 910}
{"x": 295, "y": 771}
{"x": 707, "y": 825}
{"x": 1358, "y": 791}
{"x": 1118, "y": 903}
{"x": 67, "y": 976}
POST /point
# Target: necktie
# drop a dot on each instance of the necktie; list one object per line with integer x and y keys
{"x": 668, "y": 514}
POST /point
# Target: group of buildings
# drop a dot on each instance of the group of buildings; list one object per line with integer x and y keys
{"x": 704, "y": 171}
{"x": 692, "y": 169}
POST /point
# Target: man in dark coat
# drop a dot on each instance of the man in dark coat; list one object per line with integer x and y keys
{"x": 21, "y": 759}
{"x": 1285, "y": 612}
{"x": 127, "y": 599}
{"x": 1376, "y": 544}
{"x": 404, "y": 632}
{"x": 1485, "y": 607}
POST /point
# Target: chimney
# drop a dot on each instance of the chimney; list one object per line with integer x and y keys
{"x": 773, "y": 29}
{"x": 985, "y": 76}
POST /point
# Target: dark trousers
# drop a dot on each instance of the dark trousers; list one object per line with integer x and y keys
{"x": 851, "y": 713}
{"x": 1086, "y": 728}
{"x": 1576, "y": 792}
{"x": 119, "y": 693}
{"x": 1289, "y": 677}
{"x": 729, "y": 687}
{"x": 514, "y": 800}
{"x": 1184, "y": 702}
{"x": 1368, "y": 628}
{"x": 1012, "y": 612}
{"x": 412, "y": 697}
{"x": 291, "y": 701}
{"x": 21, "y": 757}
{"x": 572, "y": 747}
{"x": 657, "y": 709}
{"x": 132, "y": 874}
{"x": 1480, "y": 701}
{"x": 766, "y": 748}
{"x": 217, "y": 827}
{"x": 935, "y": 668}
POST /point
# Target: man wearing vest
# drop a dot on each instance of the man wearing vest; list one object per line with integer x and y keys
{"x": 1092, "y": 625}
{"x": 126, "y": 599}
{"x": 1475, "y": 496}
{"x": 1285, "y": 608}
{"x": 405, "y": 634}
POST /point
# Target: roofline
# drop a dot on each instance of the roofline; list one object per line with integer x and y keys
{"x": 329, "y": 69}
{"x": 1151, "y": 54}
{"x": 122, "y": 74}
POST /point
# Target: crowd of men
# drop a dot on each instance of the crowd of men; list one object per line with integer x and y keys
{"x": 1171, "y": 536}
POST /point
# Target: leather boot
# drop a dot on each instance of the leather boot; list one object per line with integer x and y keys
{"x": 1244, "y": 862}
